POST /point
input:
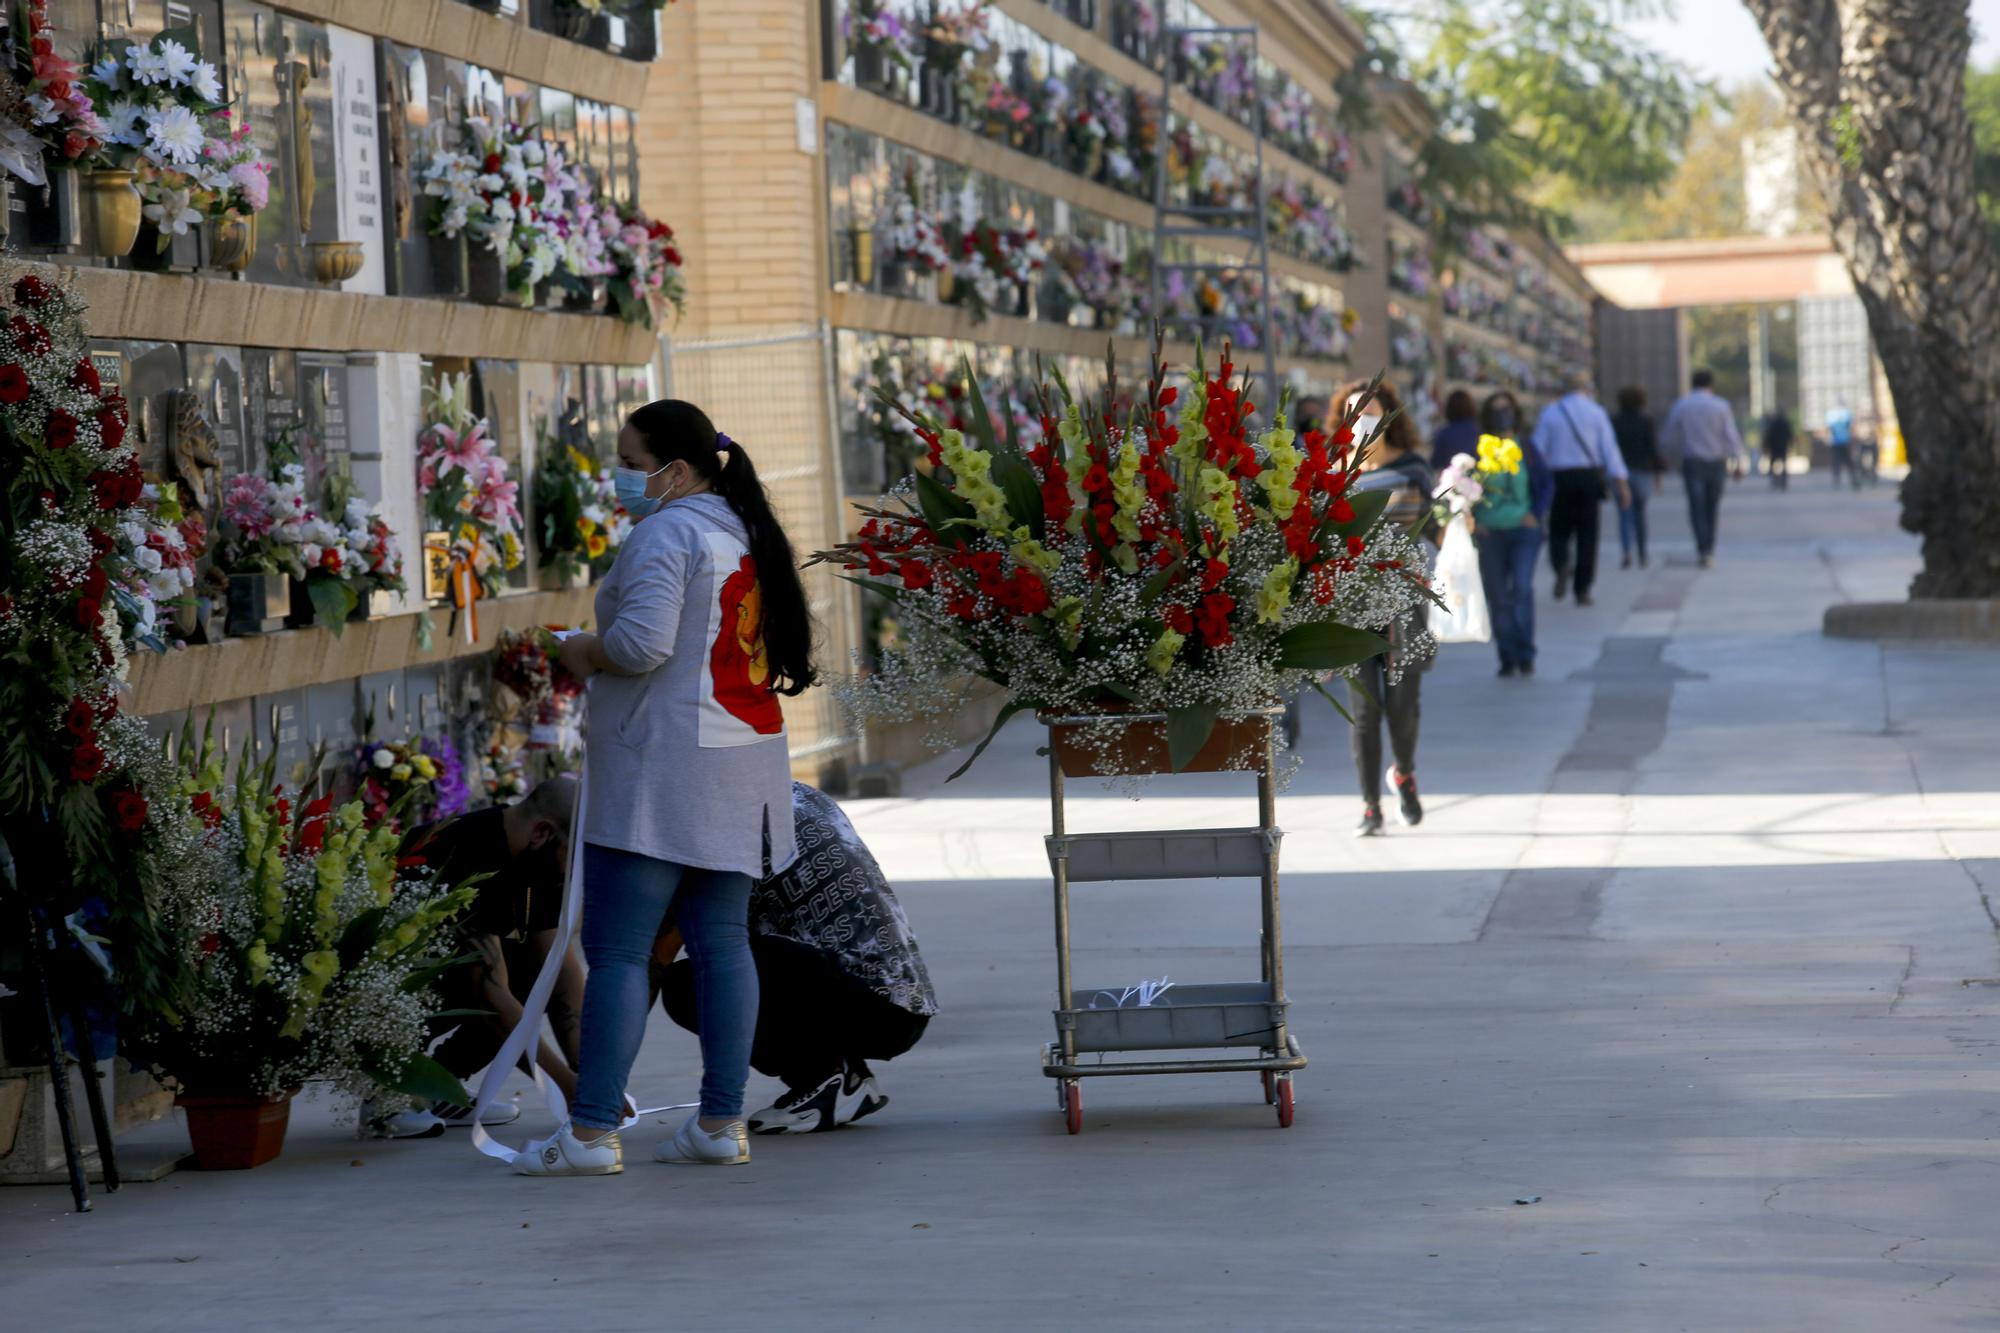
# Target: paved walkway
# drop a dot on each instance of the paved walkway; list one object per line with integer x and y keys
{"x": 1695, "y": 946}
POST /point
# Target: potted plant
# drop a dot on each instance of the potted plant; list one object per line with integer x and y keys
{"x": 296, "y": 953}
{"x": 1168, "y": 559}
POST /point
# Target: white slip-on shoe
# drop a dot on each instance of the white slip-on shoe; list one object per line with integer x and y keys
{"x": 563, "y": 1154}
{"x": 695, "y": 1146}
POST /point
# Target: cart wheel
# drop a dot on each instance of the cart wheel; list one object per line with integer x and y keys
{"x": 1284, "y": 1103}
{"x": 1073, "y": 1105}
{"x": 1270, "y": 1089}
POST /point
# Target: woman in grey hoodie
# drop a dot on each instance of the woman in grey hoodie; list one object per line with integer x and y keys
{"x": 703, "y": 624}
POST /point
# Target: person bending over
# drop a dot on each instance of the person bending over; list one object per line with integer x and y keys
{"x": 523, "y": 851}
{"x": 839, "y": 978}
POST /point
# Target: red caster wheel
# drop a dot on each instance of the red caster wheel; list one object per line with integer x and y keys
{"x": 1284, "y": 1103}
{"x": 1073, "y": 1107}
{"x": 1270, "y": 1088}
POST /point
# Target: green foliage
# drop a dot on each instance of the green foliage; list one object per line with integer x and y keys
{"x": 1530, "y": 94}
{"x": 1982, "y": 104}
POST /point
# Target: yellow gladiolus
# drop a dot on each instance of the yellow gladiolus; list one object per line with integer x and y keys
{"x": 1276, "y": 594}
{"x": 1160, "y": 656}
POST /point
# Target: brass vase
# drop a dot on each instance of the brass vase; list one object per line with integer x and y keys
{"x": 864, "y": 255}
{"x": 334, "y": 262}
{"x": 111, "y": 203}
{"x": 232, "y": 244}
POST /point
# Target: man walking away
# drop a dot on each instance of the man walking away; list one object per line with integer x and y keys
{"x": 1702, "y": 430}
{"x": 1778, "y": 447}
{"x": 1840, "y": 443}
{"x": 1640, "y": 448}
{"x": 1575, "y": 437}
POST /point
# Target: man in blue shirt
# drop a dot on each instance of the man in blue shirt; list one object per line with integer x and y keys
{"x": 1840, "y": 440}
{"x": 1574, "y": 437}
{"x": 1702, "y": 431}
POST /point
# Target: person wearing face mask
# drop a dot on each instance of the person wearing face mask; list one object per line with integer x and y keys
{"x": 1393, "y": 462}
{"x": 688, "y": 796}
{"x": 521, "y": 852}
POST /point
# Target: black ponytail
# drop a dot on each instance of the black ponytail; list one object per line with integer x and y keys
{"x": 673, "y": 430}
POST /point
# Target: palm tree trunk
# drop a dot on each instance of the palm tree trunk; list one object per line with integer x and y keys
{"x": 1877, "y": 88}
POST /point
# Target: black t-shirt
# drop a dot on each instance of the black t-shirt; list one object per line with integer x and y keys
{"x": 523, "y": 894}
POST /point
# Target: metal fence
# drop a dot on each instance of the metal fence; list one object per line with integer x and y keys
{"x": 772, "y": 392}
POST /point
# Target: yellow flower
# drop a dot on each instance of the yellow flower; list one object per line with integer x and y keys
{"x": 401, "y": 772}
{"x": 596, "y": 545}
{"x": 1498, "y": 455}
{"x": 258, "y": 958}
{"x": 972, "y": 479}
{"x": 1033, "y": 554}
{"x": 1283, "y": 470}
{"x": 585, "y": 527}
{"x": 425, "y": 765}
{"x": 1218, "y": 506}
{"x": 510, "y": 547}
{"x": 579, "y": 462}
{"x": 1160, "y": 656}
{"x": 1276, "y": 594}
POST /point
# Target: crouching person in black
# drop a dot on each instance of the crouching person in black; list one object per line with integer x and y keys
{"x": 840, "y": 981}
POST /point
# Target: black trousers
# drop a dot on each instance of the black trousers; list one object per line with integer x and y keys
{"x": 1372, "y": 699}
{"x": 1573, "y": 518}
{"x": 812, "y": 1018}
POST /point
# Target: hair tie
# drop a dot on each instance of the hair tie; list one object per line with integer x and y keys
{"x": 722, "y": 454}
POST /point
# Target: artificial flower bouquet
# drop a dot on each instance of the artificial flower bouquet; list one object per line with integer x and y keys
{"x": 1165, "y": 555}
{"x": 295, "y": 951}
{"x": 645, "y": 265}
{"x": 44, "y": 107}
{"x": 580, "y": 523}
{"x": 408, "y": 782}
{"x": 462, "y": 480}
{"x": 163, "y": 117}
{"x": 1465, "y": 482}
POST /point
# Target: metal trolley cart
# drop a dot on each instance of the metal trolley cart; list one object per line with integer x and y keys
{"x": 1246, "y": 1015}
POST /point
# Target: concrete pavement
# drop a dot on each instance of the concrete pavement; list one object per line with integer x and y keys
{"x": 1695, "y": 946}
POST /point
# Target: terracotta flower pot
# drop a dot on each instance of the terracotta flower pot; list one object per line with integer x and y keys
{"x": 236, "y": 1132}
{"x": 1140, "y": 748}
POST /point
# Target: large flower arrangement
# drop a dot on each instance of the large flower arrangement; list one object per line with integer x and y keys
{"x": 645, "y": 265}
{"x": 579, "y": 523}
{"x": 374, "y": 556}
{"x": 1304, "y": 223}
{"x": 871, "y": 27}
{"x": 462, "y": 480}
{"x": 410, "y": 782}
{"x": 164, "y": 118}
{"x": 160, "y": 549}
{"x": 296, "y": 952}
{"x": 989, "y": 257}
{"x": 491, "y": 188}
{"x": 271, "y": 527}
{"x": 44, "y": 106}
{"x": 1410, "y": 267}
{"x": 1172, "y": 558}
{"x": 1092, "y": 276}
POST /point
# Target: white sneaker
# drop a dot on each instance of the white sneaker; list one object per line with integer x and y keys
{"x": 728, "y": 1146}
{"x": 860, "y": 1095}
{"x": 409, "y": 1123}
{"x": 802, "y": 1110}
{"x": 563, "y": 1154}
{"x": 460, "y": 1117}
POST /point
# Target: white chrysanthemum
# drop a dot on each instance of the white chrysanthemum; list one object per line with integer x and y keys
{"x": 123, "y": 124}
{"x": 206, "y": 85}
{"x": 145, "y": 65}
{"x": 176, "y": 135}
{"x": 177, "y": 63}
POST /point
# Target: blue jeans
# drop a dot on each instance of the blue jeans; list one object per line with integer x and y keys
{"x": 1705, "y": 479}
{"x": 1632, "y": 518}
{"x": 1507, "y": 575}
{"x": 626, "y": 899}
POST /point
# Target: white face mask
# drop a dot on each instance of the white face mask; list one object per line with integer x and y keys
{"x": 1365, "y": 424}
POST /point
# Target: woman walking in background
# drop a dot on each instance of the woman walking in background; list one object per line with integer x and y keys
{"x": 1394, "y": 463}
{"x": 1507, "y": 527}
{"x": 690, "y": 787}
{"x": 1640, "y": 449}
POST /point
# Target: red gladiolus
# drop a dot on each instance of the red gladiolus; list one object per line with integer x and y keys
{"x": 128, "y": 809}
{"x": 77, "y": 722}
{"x": 85, "y": 377}
{"x": 1355, "y": 546}
{"x": 1341, "y": 511}
{"x": 60, "y": 433}
{"x": 205, "y": 806}
{"x": 1212, "y": 575}
{"x": 13, "y": 384}
{"x": 1212, "y": 619}
{"x": 86, "y": 762}
{"x": 312, "y": 825}
{"x": 209, "y": 943}
{"x": 916, "y": 575}
{"x": 1178, "y": 619}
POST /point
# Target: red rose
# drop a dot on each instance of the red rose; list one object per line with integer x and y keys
{"x": 77, "y": 721}
{"x": 128, "y": 808}
{"x": 85, "y": 377}
{"x": 31, "y": 290}
{"x": 61, "y": 430}
{"x": 111, "y": 425}
{"x": 85, "y": 763}
{"x": 210, "y": 942}
{"x": 330, "y": 562}
{"x": 493, "y": 161}
{"x": 89, "y": 611}
{"x": 13, "y": 384}
{"x": 29, "y": 336}
{"x": 76, "y": 145}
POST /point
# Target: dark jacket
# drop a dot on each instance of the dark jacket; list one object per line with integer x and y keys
{"x": 1454, "y": 438}
{"x": 1638, "y": 445}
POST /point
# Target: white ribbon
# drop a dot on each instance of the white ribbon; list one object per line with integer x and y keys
{"x": 1146, "y": 992}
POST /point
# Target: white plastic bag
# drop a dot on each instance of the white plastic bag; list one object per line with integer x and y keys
{"x": 1464, "y": 618}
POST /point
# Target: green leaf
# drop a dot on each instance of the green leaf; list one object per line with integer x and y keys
{"x": 941, "y": 508}
{"x": 889, "y": 590}
{"x": 1024, "y": 496}
{"x": 1338, "y": 707}
{"x": 423, "y": 977}
{"x": 1368, "y": 507}
{"x": 1328, "y": 646}
{"x": 333, "y": 602}
{"x": 982, "y": 422}
{"x": 1188, "y": 729}
{"x": 1156, "y": 586}
{"x": 1007, "y": 711}
{"x": 1116, "y": 691}
{"x": 359, "y": 937}
{"x": 426, "y": 1078}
